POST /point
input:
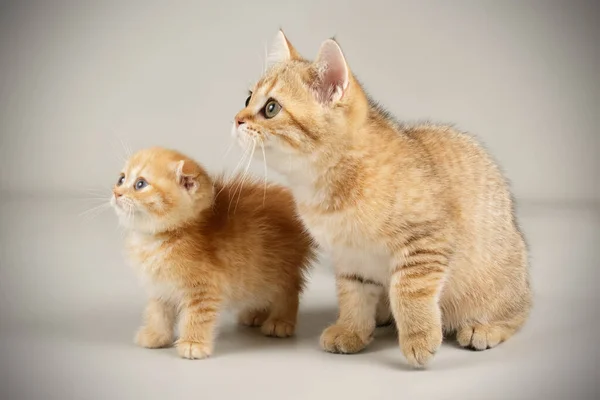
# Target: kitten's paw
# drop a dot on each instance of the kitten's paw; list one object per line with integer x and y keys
{"x": 338, "y": 339}
{"x": 480, "y": 337}
{"x": 193, "y": 350}
{"x": 151, "y": 339}
{"x": 252, "y": 317}
{"x": 420, "y": 347}
{"x": 384, "y": 320}
{"x": 277, "y": 328}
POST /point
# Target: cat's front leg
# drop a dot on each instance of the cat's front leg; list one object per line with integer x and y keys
{"x": 159, "y": 323}
{"x": 353, "y": 330}
{"x": 415, "y": 289}
{"x": 200, "y": 309}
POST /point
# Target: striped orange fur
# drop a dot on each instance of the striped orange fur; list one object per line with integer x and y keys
{"x": 419, "y": 219}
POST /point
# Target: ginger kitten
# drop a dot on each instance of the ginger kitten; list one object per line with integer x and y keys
{"x": 197, "y": 256}
{"x": 417, "y": 215}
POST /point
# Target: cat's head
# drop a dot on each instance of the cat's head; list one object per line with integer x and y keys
{"x": 301, "y": 111}
{"x": 160, "y": 189}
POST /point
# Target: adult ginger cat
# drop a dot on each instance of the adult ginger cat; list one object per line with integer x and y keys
{"x": 197, "y": 255}
{"x": 417, "y": 215}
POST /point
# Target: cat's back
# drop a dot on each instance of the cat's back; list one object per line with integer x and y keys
{"x": 257, "y": 231}
{"x": 266, "y": 209}
{"x": 462, "y": 164}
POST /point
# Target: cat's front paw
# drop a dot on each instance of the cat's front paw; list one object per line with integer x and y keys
{"x": 338, "y": 339}
{"x": 420, "y": 347}
{"x": 151, "y": 339}
{"x": 193, "y": 350}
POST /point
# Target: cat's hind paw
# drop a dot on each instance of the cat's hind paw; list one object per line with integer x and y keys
{"x": 193, "y": 350}
{"x": 151, "y": 339}
{"x": 278, "y": 328}
{"x": 252, "y": 317}
{"x": 481, "y": 337}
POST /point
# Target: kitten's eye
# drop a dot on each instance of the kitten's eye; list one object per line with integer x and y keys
{"x": 248, "y": 100}
{"x": 140, "y": 184}
{"x": 121, "y": 180}
{"x": 272, "y": 108}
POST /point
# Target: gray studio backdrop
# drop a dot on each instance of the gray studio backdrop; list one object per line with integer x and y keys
{"x": 77, "y": 77}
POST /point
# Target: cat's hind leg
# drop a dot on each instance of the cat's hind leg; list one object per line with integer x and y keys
{"x": 253, "y": 317}
{"x": 158, "y": 328}
{"x": 281, "y": 322}
{"x": 478, "y": 336}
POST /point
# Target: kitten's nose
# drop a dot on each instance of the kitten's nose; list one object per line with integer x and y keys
{"x": 238, "y": 122}
{"x": 117, "y": 194}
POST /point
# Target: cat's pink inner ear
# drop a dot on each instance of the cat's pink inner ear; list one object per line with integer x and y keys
{"x": 186, "y": 178}
{"x": 333, "y": 72}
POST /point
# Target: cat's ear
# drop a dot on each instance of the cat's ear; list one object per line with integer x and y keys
{"x": 281, "y": 50}
{"x": 187, "y": 173}
{"x": 333, "y": 74}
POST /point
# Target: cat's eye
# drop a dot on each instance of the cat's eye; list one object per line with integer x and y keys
{"x": 272, "y": 108}
{"x": 248, "y": 100}
{"x": 121, "y": 180}
{"x": 140, "y": 184}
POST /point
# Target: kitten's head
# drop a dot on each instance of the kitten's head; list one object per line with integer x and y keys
{"x": 301, "y": 111}
{"x": 160, "y": 189}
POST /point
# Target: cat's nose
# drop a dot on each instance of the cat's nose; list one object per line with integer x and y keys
{"x": 117, "y": 194}
{"x": 238, "y": 122}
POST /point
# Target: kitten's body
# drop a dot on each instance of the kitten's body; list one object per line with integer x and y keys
{"x": 420, "y": 215}
{"x": 249, "y": 255}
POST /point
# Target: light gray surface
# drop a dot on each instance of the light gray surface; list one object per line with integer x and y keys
{"x": 70, "y": 308}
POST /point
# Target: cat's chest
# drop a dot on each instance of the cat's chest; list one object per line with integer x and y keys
{"x": 338, "y": 229}
{"x": 152, "y": 260}
{"x": 350, "y": 243}
{"x": 150, "y": 257}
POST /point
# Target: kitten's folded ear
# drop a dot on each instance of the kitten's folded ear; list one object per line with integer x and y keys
{"x": 333, "y": 75}
{"x": 187, "y": 174}
{"x": 281, "y": 50}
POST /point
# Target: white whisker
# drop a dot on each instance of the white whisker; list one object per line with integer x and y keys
{"x": 241, "y": 162}
{"x": 94, "y": 211}
{"x": 265, "y": 61}
{"x": 231, "y": 143}
{"x": 262, "y": 147}
{"x": 244, "y": 176}
{"x": 232, "y": 173}
{"x": 117, "y": 154}
{"x": 126, "y": 148}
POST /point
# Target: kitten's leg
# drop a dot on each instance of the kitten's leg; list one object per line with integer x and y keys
{"x": 353, "y": 330}
{"x": 415, "y": 288}
{"x": 383, "y": 315}
{"x": 252, "y": 317}
{"x": 200, "y": 310}
{"x": 159, "y": 323}
{"x": 284, "y": 313}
